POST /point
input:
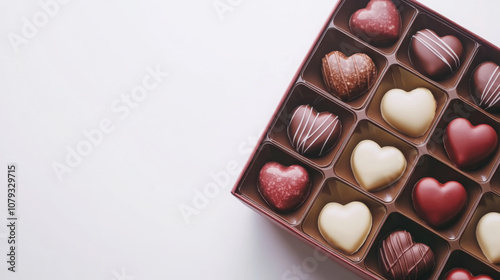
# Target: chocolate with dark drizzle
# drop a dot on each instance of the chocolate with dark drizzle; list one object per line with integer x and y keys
{"x": 401, "y": 258}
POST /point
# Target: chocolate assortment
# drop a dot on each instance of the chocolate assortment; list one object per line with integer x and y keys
{"x": 384, "y": 150}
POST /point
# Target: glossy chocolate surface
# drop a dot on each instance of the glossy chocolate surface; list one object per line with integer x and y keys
{"x": 284, "y": 188}
{"x": 434, "y": 56}
{"x": 311, "y": 133}
{"x": 379, "y": 23}
{"x": 486, "y": 86}
{"x": 348, "y": 77}
{"x": 402, "y": 259}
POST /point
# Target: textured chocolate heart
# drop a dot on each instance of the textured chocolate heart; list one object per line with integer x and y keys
{"x": 401, "y": 258}
{"x": 485, "y": 88}
{"x": 348, "y": 77}
{"x": 311, "y": 133}
{"x": 434, "y": 56}
{"x": 438, "y": 204}
{"x": 284, "y": 188}
{"x": 464, "y": 274}
{"x": 379, "y": 23}
{"x": 468, "y": 146}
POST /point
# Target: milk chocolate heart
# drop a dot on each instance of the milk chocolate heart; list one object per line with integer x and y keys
{"x": 438, "y": 204}
{"x": 411, "y": 112}
{"x": 311, "y": 133}
{"x": 464, "y": 274}
{"x": 379, "y": 23}
{"x": 434, "y": 56}
{"x": 487, "y": 231}
{"x": 401, "y": 258}
{"x": 375, "y": 168}
{"x": 346, "y": 227}
{"x": 485, "y": 88}
{"x": 283, "y": 188}
{"x": 468, "y": 146}
{"x": 348, "y": 77}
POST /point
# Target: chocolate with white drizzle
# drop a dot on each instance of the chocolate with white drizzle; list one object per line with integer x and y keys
{"x": 434, "y": 56}
{"x": 486, "y": 86}
{"x": 311, "y": 133}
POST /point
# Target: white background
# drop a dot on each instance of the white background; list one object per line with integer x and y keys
{"x": 116, "y": 215}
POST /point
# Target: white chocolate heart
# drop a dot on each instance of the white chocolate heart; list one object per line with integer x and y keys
{"x": 376, "y": 168}
{"x": 487, "y": 232}
{"x": 411, "y": 112}
{"x": 345, "y": 227}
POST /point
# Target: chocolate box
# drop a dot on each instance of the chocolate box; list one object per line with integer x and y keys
{"x": 331, "y": 177}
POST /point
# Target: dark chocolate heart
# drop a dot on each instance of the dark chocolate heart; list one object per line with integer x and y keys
{"x": 486, "y": 86}
{"x": 401, "y": 258}
{"x": 378, "y": 24}
{"x": 468, "y": 146}
{"x": 284, "y": 188}
{"x": 434, "y": 56}
{"x": 348, "y": 77}
{"x": 311, "y": 133}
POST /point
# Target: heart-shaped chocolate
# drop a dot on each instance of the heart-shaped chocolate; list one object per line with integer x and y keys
{"x": 468, "y": 146}
{"x": 438, "y": 204}
{"x": 379, "y": 23}
{"x": 311, "y": 133}
{"x": 346, "y": 227}
{"x": 375, "y": 168}
{"x": 487, "y": 231}
{"x": 485, "y": 88}
{"x": 284, "y": 188}
{"x": 411, "y": 112}
{"x": 434, "y": 56}
{"x": 401, "y": 258}
{"x": 348, "y": 77}
{"x": 464, "y": 274}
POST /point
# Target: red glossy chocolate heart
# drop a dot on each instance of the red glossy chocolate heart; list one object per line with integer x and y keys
{"x": 379, "y": 23}
{"x": 438, "y": 204}
{"x": 464, "y": 274}
{"x": 469, "y": 146}
{"x": 284, "y": 188}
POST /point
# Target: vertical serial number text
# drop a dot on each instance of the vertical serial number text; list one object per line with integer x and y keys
{"x": 11, "y": 217}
